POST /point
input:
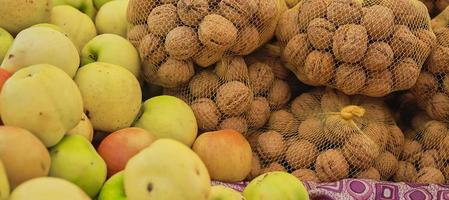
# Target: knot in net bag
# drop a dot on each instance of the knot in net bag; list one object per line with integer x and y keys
{"x": 425, "y": 154}
{"x": 235, "y": 94}
{"x": 174, "y": 36}
{"x": 432, "y": 87}
{"x": 326, "y": 136}
{"x": 369, "y": 47}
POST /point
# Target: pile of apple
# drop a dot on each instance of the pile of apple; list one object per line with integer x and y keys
{"x": 68, "y": 72}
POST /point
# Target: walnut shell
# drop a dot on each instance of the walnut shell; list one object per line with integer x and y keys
{"x": 312, "y": 130}
{"x": 232, "y": 68}
{"x": 338, "y": 130}
{"x": 430, "y": 158}
{"x": 217, "y": 32}
{"x": 305, "y": 105}
{"x": 387, "y": 164}
{"x": 162, "y": 19}
{"x": 206, "y": 114}
{"x": 301, "y": 154}
{"x": 279, "y": 94}
{"x": 138, "y": 10}
{"x": 350, "y": 43}
{"x": 430, "y": 175}
{"x": 407, "y": 12}
{"x": 378, "y": 21}
{"x": 371, "y": 173}
{"x": 403, "y": 42}
{"x": 237, "y": 11}
{"x": 320, "y": 33}
{"x": 350, "y": 78}
{"x": 446, "y": 84}
{"x": 406, "y": 172}
{"x": 379, "y": 56}
{"x": 433, "y": 133}
{"x": 283, "y": 122}
{"x": 395, "y": 143}
{"x": 444, "y": 147}
{"x": 379, "y": 133}
{"x": 151, "y": 49}
{"x": 442, "y": 35}
{"x": 174, "y": 72}
{"x": 234, "y": 98}
{"x": 428, "y": 37}
{"x": 331, "y": 166}
{"x": 378, "y": 84}
{"x": 438, "y": 107}
{"x": 297, "y": 50}
{"x": 438, "y": 60}
{"x": 136, "y": 34}
{"x": 191, "y": 12}
{"x": 258, "y": 113}
{"x": 182, "y": 43}
{"x": 334, "y": 101}
{"x": 204, "y": 84}
{"x": 405, "y": 74}
{"x": 271, "y": 145}
{"x": 411, "y": 147}
{"x": 360, "y": 151}
{"x": 305, "y": 175}
{"x": 342, "y": 12}
{"x": 261, "y": 77}
{"x": 247, "y": 41}
{"x": 255, "y": 167}
{"x": 425, "y": 86}
{"x": 319, "y": 67}
{"x": 311, "y": 9}
{"x": 235, "y": 123}
{"x": 287, "y": 25}
{"x": 208, "y": 56}
{"x": 273, "y": 167}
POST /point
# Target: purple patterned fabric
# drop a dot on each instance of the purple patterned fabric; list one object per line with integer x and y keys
{"x": 367, "y": 190}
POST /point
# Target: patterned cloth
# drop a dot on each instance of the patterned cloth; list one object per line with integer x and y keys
{"x": 367, "y": 190}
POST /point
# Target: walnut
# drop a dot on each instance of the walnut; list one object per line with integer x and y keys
{"x": 305, "y": 105}
{"x": 331, "y": 166}
{"x": 182, "y": 43}
{"x": 350, "y": 43}
{"x": 283, "y": 122}
{"x": 271, "y": 145}
{"x": 204, "y": 84}
{"x": 162, "y": 19}
{"x": 235, "y": 123}
{"x": 232, "y": 68}
{"x": 258, "y": 113}
{"x": 261, "y": 77}
{"x": 206, "y": 114}
{"x": 217, "y": 32}
{"x": 136, "y": 33}
{"x": 305, "y": 175}
{"x": 360, "y": 151}
{"x": 438, "y": 107}
{"x": 370, "y": 173}
{"x": 350, "y": 78}
{"x": 191, "y": 12}
{"x": 387, "y": 165}
{"x": 297, "y": 50}
{"x": 430, "y": 175}
{"x": 234, "y": 98}
{"x": 378, "y": 21}
{"x": 320, "y": 33}
{"x": 405, "y": 74}
{"x": 319, "y": 67}
{"x": 342, "y": 12}
{"x": 378, "y": 84}
{"x": 411, "y": 147}
{"x": 287, "y": 25}
{"x": 406, "y": 172}
{"x": 301, "y": 154}
{"x": 279, "y": 94}
{"x": 247, "y": 41}
{"x": 378, "y": 57}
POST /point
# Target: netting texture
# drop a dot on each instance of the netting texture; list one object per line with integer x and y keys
{"x": 237, "y": 93}
{"x": 325, "y": 135}
{"x": 432, "y": 87}
{"x": 425, "y": 154}
{"x": 371, "y": 47}
{"x": 175, "y": 36}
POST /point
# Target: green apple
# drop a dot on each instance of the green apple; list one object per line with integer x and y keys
{"x": 276, "y": 185}
{"x": 5, "y": 42}
{"x": 48, "y": 188}
{"x": 52, "y": 26}
{"x": 111, "y": 18}
{"x": 169, "y": 117}
{"x": 78, "y": 26}
{"x": 99, "y": 3}
{"x": 219, "y": 192}
{"x": 75, "y": 159}
{"x": 167, "y": 169}
{"x": 4, "y": 184}
{"x": 20, "y": 14}
{"x": 42, "y": 45}
{"x": 110, "y": 48}
{"x": 84, "y": 128}
{"x": 111, "y": 95}
{"x": 42, "y": 99}
{"x": 113, "y": 189}
{"x": 85, "y": 6}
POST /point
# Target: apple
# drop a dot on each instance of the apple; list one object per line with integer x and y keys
{"x": 17, "y": 15}
{"x": 113, "y": 49}
{"x": 4, "y": 184}
{"x": 42, "y": 45}
{"x": 99, "y": 3}
{"x": 111, "y": 18}
{"x": 226, "y": 153}
{"x": 5, "y": 42}
{"x": 52, "y": 26}
{"x": 78, "y": 26}
{"x": 113, "y": 188}
{"x": 84, "y": 128}
{"x": 85, "y": 6}
{"x": 118, "y": 147}
{"x": 75, "y": 159}
{"x": 220, "y": 192}
{"x": 276, "y": 185}
{"x": 168, "y": 117}
{"x": 42, "y": 99}
{"x": 111, "y": 95}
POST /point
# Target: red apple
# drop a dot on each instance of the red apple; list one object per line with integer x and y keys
{"x": 118, "y": 147}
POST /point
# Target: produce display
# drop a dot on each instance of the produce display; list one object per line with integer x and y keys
{"x": 173, "y": 36}
{"x": 372, "y": 47}
{"x": 223, "y": 99}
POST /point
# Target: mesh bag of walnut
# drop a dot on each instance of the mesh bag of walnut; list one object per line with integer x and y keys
{"x": 325, "y": 136}
{"x": 235, "y": 94}
{"x": 432, "y": 87}
{"x": 174, "y": 35}
{"x": 425, "y": 154}
{"x": 369, "y": 47}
